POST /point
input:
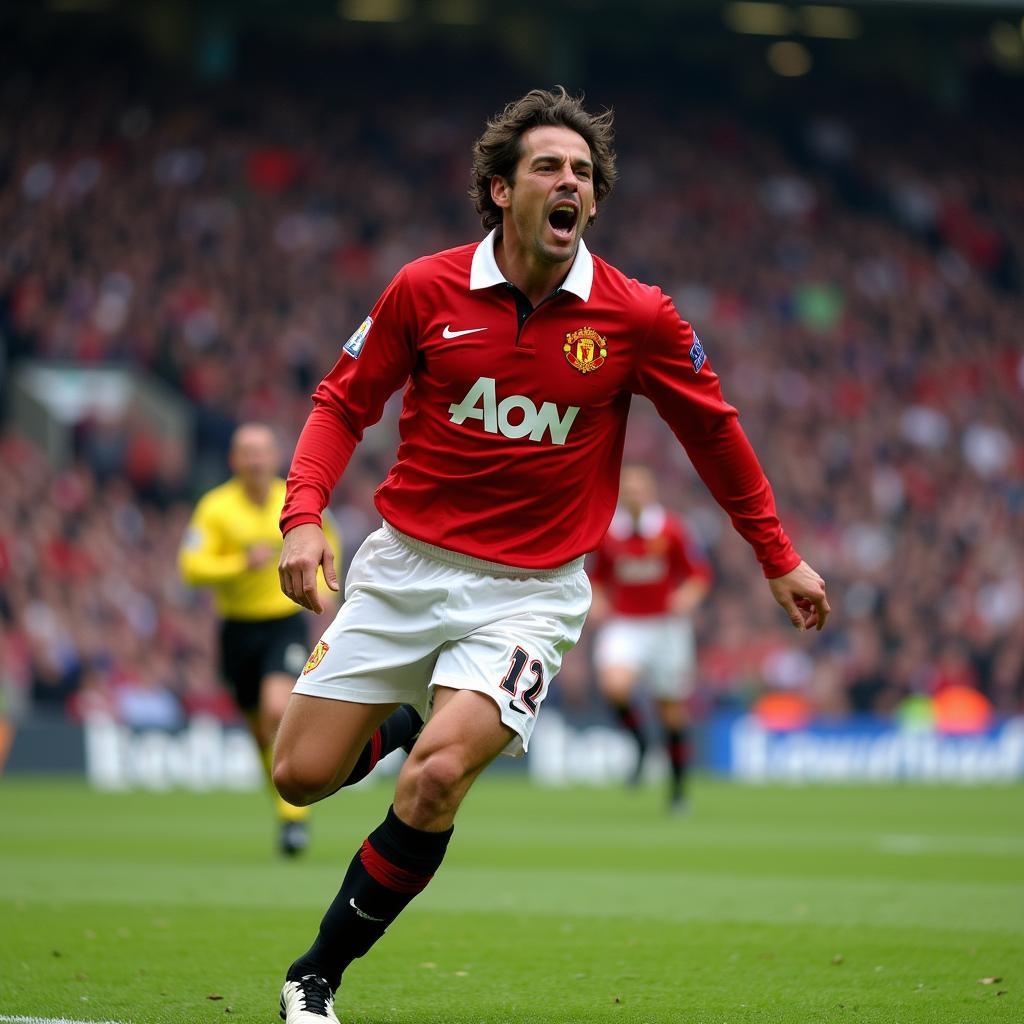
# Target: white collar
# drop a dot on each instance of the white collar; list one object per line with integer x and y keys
{"x": 485, "y": 272}
{"x": 650, "y": 524}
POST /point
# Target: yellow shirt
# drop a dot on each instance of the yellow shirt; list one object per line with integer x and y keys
{"x": 224, "y": 526}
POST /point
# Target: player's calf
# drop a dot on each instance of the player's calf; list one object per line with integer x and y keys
{"x": 400, "y": 729}
{"x": 319, "y": 743}
{"x": 394, "y": 864}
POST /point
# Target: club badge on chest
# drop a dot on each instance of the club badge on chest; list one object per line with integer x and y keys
{"x": 585, "y": 349}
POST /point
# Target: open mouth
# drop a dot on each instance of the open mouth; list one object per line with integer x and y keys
{"x": 563, "y": 219}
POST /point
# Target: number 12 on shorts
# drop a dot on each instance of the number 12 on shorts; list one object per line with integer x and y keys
{"x": 511, "y": 682}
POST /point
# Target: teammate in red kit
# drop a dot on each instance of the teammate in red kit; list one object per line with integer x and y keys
{"x": 518, "y": 356}
{"x": 648, "y": 580}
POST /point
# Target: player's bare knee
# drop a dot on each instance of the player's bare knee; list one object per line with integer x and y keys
{"x": 269, "y": 723}
{"x": 617, "y": 692}
{"x": 272, "y": 709}
{"x": 274, "y": 697}
{"x": 299, "y": 783}
{"x": 435, "y": 782}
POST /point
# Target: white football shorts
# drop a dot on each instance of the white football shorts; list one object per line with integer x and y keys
{"x": 417, "y": 616}
{"x": 659, "y": 648}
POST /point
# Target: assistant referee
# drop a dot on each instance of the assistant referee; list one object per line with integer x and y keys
{"x": 232, "y": 546}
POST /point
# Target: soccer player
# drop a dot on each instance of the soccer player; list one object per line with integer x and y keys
{"x": 232, "y": 545}
{"x": 518, "y": 357}
{"x": 648, "y": 580}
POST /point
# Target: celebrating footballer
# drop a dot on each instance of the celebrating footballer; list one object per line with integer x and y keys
{"x": 519, "y": 356}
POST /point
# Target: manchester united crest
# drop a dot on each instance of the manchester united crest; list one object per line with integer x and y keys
{"x": 316, "y": 657}
{"x": 585, "y": 350}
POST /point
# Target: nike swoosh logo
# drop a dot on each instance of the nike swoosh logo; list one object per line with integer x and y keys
{"x": 363, "y": 914}
{"x": 449, "y": 333}
{"x": 512, "y": 706}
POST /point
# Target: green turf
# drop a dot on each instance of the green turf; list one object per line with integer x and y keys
{"x": 766, "y": 904}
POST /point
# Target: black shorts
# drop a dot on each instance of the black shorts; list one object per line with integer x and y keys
{"x": 252, "y": 649}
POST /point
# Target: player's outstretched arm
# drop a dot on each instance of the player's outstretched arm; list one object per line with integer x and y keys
{"x": 802, "y": 593}
{"x": 305, "y": 550}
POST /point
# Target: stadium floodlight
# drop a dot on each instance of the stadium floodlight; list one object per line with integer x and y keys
{"x": 455, "y": 12}
{"x": 374, "y": 10}
{"x": 1007, "y": 45}
{"x": 759, "y": 19}
{"x": 829, "y": 22}
{"x": 789, "y": 59}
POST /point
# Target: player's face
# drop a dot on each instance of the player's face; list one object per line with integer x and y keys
{"x": 636, "y": 489}
{"x": 551, "y": 198}
{"x": 254, "y": 455}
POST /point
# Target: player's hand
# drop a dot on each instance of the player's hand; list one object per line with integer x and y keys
{"x": 258, "y": 555}
{"x": 305, "y": 550}
{"x": 802, "y": 593}
{"x": 684, "y": 600}
{"x": 682, "y": 605}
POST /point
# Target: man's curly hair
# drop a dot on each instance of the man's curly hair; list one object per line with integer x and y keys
{"x": 499, "y": 148}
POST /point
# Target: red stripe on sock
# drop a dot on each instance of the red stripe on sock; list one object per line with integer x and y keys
{"x": 375, "y": 744}
{"x": 391, "y": 876}
{"x": 630, "y": 719}
{"x": 678, "y": 753}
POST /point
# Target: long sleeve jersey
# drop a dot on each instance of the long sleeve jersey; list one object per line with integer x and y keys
{"x": 514, "y": 417}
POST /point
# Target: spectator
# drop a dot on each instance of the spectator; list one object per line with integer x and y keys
{"x": 869, "y": 334}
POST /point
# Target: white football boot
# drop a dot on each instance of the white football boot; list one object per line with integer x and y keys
{"x": 309, "y": 1000}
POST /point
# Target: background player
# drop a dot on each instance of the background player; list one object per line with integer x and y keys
{"x": 648, "y": 580}
{"x": 231, "y": 546}
{"x": 517, "y": 357}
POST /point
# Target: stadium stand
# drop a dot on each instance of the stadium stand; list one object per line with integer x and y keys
{"x": 857, "y": 286}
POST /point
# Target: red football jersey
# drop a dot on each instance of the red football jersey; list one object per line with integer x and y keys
{"x": 640, "y": 564}
{"x": 513, "y": 419}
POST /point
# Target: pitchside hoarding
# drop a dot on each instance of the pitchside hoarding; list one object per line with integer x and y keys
{"x": 863, "y": 750}
{"x": 207, "y": 755}
{"x": 743, "y": 747}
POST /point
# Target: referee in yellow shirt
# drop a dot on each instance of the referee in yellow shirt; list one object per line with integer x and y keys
{"x": 232, "y": 546}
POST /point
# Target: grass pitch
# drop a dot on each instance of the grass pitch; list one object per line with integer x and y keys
{"x": 896, "y": 905}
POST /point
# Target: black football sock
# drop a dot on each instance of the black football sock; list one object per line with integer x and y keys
{"x": 677, "y": 742}
{"x": 394, "y": 732}
{"x": 630, "y": 721}
{"x": 394, "y": 863}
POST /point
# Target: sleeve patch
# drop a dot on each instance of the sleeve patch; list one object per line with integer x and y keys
{"x": 697, "y": 354}
{"x": 354, "y": 345}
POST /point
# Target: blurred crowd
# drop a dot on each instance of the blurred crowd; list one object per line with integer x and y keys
{"x": 857, "y": 288}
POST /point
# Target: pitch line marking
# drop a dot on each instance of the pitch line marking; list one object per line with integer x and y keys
{"x": 981, "y": 845}
{"x": 53, "y": 1020}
